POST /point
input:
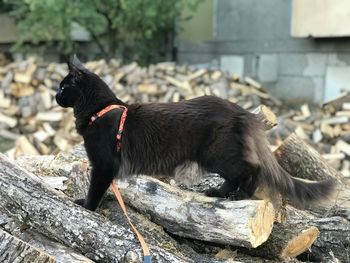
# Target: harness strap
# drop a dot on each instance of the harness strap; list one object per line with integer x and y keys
{"x": 121, "y": 127}
{"x": 147, "y": 258}
{"x": 104, "y": 111}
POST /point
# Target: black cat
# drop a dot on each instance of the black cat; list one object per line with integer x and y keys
{"x": 218, "y": 135}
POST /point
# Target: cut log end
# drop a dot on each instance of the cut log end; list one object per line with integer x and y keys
{"x": 300, "y": 243}
{"x": 266, "y": 116}
{"x": 261, "y": 225}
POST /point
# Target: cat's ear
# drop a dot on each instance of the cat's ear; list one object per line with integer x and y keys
{"x": 75, "y": 67}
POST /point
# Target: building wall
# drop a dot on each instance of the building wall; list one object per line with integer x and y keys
{"x": 252, "y": 37}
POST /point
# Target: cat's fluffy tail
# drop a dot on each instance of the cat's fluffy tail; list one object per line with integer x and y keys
{"x": 273, "y": 176}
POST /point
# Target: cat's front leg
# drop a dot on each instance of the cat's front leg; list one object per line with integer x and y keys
{"x": 101, "y": 177}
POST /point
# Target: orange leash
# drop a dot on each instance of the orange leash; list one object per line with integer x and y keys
{"x": 146, "y": 253}
{"x": 114, "y": 187}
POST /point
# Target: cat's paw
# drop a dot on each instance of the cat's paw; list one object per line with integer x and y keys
{"x": 80, "y": 202}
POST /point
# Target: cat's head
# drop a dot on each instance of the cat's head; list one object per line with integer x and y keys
{"x": 71, "y": 87}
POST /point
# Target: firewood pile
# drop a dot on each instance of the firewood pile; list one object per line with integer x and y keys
{"x": 326, "y": 128}
{"x": 30, "y": 116}
{"x": 47, "y": 169}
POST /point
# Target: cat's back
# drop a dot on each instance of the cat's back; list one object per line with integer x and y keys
{"x": 204, "y": 106}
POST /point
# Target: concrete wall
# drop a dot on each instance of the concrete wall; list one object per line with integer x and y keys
{"x": 252, "y": 37}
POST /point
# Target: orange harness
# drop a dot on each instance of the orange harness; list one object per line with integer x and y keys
{"x": 114, "y": 187}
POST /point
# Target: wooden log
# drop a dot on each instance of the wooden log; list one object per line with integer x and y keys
{"x": 22, "y": 196}
{"x": 23, "y": 146}
{"x": 343, "y": 147}
{"x": 64, "y": 164}
{"x": 50, "y": 116}
{"x": 334, "y": 237}
{"x": 266, "y": 116}
{"x": 59, "y": 252}
{"x": 72, "y": 165}
{"x": 245, "y": 223}
{"x": 336, "y": 103}
{"x": 9, "y": 121}
{"x": 302, "y": 161}
{"x": 334, "y": 226}
{"x": 346, "y": 106}
{"x": 13, "y": 249}
{"x": 287, "y": 240}
{"x": 334, "y": 120}
{"x": 252, "y": 82}
{"x": 77, "y": 174}
{"x": 253, "y": 222}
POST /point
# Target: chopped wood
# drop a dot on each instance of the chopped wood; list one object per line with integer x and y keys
{"x": 51, "y": 116}
{"x": 219, "y": 221}
{"x": 346, "y": 106}
{"x": 4, "y": 102}
{"x": 148, "y": 88}
{"x": 41, "y": 135}
{"x": 317, "y": 136}
{"x": 332, "y": 156}
{"x": 343, "y": 147}
{"x": 25, "y": 147}
{"x": 336, "y": 103}
{"x": 300, "y": 132}
{"x": 343, "y": 113}
{"x": 9, "y": 121}
{"x": 53, "y": 248}
{"x": 28, "y": 89}
{"x": 335, "y": 120}
{"x": 46, "y": 98}
{"x": 305, "y": 110}
{"x": 74, "y": 226}
{"x": 302, "y": 161}
{"x": 196, "y": 75}
{"x": 48, "y": 129}
{"x": 21, "y": 90}
{"x": 196, "y": 216}
{"x": 9, "y": 135}
{"x": 183, "y": 85}
{"x": 301, "y": 236}
{"x": 266, "y": 116}
{"x": 327, "y": 129}
{"x": 13, "y": 249}
{"x": 252, "y": 82}
{"x": 288, "y": 240}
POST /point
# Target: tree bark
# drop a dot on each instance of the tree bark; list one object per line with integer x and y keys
{"x": 302, "y": 161}
{"x": 23, "y": 196}
{"x": 290, "y": 229}
{"x": 13, "y": 249}
{"x": 245, "y": 223}
{"x": 334, "y": 237}
{"x": 59, "y": 252}
{"x": 192, "y": 215}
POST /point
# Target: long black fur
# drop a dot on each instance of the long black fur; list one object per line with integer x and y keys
{"x": 219, "y": 135}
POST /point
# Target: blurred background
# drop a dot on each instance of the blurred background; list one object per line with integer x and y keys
{"x": 291, "y": 55}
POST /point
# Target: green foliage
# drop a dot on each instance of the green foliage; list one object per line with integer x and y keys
{"x": 136, "y": 29}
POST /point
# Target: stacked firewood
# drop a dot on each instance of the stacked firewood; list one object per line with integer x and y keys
{"x": 33, "y": 123}
{"x": 30, "y": 116}
{"x": 326, "y": 128}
